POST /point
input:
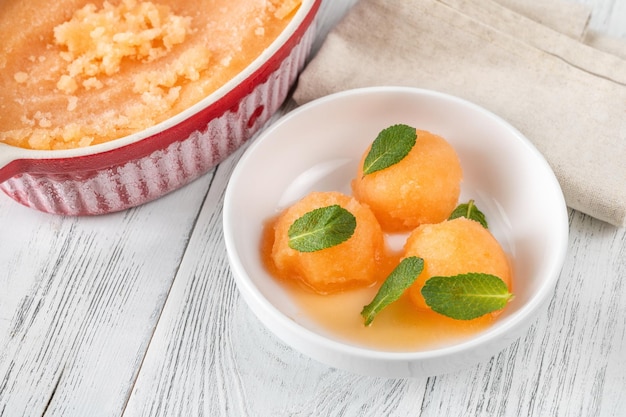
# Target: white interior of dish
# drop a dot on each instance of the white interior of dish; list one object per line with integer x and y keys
{"x": 317, "y": 147}
{"x": 10, "y": 153}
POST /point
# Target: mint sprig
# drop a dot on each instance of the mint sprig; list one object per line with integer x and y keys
{"x": 390, "y": 146}
{"x": 466, "y": 296}
{"x": 321, "y": 228}
{"x": 470, "y": 211}
{"x": 396, "y": 283}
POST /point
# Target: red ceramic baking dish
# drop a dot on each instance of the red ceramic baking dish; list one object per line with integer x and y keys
{"x": 141, "y": 167}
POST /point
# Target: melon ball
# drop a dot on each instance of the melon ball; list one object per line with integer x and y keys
{"x": 455, "y": 247}
{"x": 423, "y": 187}
{"x": 349, "y": 264}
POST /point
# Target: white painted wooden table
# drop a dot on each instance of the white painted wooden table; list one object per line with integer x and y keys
{"x": 136, "y": 314}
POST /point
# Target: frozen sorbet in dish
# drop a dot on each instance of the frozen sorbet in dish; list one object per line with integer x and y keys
{"x": 423, "y": 187}
{"x": 354, "y": 262}
{"x": 75, "y": 73}
{"x": 455, "y": 247}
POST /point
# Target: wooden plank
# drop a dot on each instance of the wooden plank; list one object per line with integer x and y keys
{"x": 84, "y": 295}
{"x": 609, "y": 16}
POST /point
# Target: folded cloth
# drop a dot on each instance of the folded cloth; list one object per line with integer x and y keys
{"x": 569, "y": 18}
{"x": 567, "y": 97}
{"x": 564, "y": 16}
{"x": 605, "y": 43}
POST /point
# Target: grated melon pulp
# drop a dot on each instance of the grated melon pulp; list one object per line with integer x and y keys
{"x": 85, "y": 72}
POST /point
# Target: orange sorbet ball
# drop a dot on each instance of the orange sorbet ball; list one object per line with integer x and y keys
{"x": 352, "y": 263}
{"x": 423, "y": 187}
{"x": 455, "y": 247}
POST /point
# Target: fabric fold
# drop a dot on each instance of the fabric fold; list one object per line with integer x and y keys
{"x": 564, "y": 16}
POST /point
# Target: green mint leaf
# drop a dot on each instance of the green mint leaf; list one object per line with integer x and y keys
{"x": 470, "y": 211}
{"x": 396, "y": 283}
{"x": 321, "y": 228}
{"x": 390, "y": 147}
{"x": 466, "y": 296}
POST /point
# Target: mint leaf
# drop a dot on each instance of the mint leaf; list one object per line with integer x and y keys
{"x": 470, "y": 211}
{"x": 466, "y": 296}
{"x": 321, "y": 228}
{"x": 390, "y": 147}
{"x": 396, "y": 283}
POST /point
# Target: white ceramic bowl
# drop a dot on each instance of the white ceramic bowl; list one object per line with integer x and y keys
{"x": 317, "y": 147}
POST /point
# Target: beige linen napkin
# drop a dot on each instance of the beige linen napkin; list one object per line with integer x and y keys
{"x": 567, "y": 97}
{"x": 564, "y": 16}
{"x": 569, "y": 18}
{"x": 606, "y": 43}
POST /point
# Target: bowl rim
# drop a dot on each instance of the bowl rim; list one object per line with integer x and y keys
{"x": 226, "y": 96}
{"x": 521, "y": 317}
